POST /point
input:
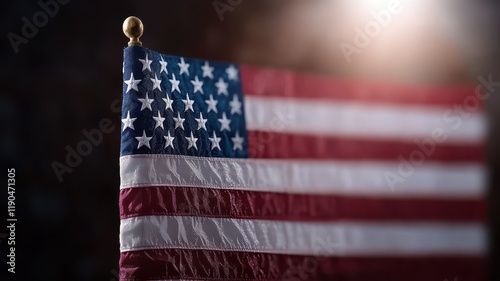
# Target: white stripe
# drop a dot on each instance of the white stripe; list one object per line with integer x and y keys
{"x": 301, "y": 238}
{"x": 362, "y": 120}
{"x": 304, "y": 177}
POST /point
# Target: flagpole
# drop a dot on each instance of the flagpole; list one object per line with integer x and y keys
{"x": 133, "y": 28}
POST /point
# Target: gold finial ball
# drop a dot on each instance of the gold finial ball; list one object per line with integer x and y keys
{"x": 133, "y": 28}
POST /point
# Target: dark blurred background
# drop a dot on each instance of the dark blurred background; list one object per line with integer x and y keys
{"x": 66, "y": 77}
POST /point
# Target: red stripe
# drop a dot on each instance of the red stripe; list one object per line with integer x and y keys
{"x": 285, "y": 146}
{"x": 218, "y": 265}
{"x": 280, "y": 83}
{"x": 192, "y": 201}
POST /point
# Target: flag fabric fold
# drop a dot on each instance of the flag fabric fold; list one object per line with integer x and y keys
{"x": 233, "y": 172}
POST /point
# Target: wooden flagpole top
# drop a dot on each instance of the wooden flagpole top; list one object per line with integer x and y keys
{"x": 133, "y": 28}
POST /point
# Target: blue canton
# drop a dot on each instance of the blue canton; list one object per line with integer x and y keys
{"x": 181, "y": 106}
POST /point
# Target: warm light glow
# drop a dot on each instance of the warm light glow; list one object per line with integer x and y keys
{"x": 375, "y": 38}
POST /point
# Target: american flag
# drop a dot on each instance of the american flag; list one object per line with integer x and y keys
{"x": 232, "y": 172}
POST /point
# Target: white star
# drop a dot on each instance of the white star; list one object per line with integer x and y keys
{"x": 197, "y": 85}
{"x": 235, "y": 105}
{"x": 215, "y": 141}
{"x": 144, "y": 140}
{"x": 207, "y": 70}
{"x": 212, "y": 104}
{"x": 224, "y": 123}
{"x": 168, "y": 103}
{"x": 238, "y": 141}
{"x": 192, "y": 141}
{"x": 201, "y": 122}
{"x": 123, "y": 67}
{"x": 179, "y": 122}
{"x": 169, "y": 140}
{"x": 156, "y": 83}
{"x": 128, "y": 122}
{"x": 132, "y": 83}
{"x": 184, "y": 67}
{"x": 188, "y": 103}
{"x": 146, "y": 103}
{"x": 146, "y": 63}
{"x": 175, "y": 84}
{"x": 163, "y": 66}
{"x": 159, "y": 120}
{"x": 221, "y": 87}
{"x": 232, "y": 73}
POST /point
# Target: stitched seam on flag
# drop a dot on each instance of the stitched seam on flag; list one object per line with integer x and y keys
{"x": 198, "y": 158}
{"x": 171, "y": 214}
{"x": 229, "y": 249}
{"x": 292, "y": 253}
{"x": 230, "y": 187}
{"x": 279, "y": 162}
